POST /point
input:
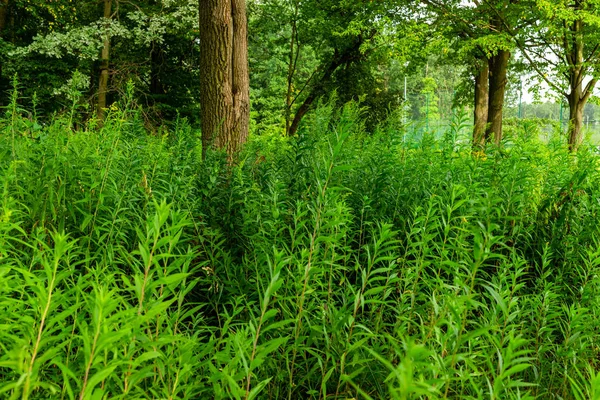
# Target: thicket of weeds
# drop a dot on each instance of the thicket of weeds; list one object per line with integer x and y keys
{"x": 339, "y": 264}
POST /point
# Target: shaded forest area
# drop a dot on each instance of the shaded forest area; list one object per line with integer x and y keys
{"x": 285, "y": 199}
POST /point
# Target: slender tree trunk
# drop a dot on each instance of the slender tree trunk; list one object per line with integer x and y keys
{"x": 346, "y": 56}
{"x": 157, "y": 57}
{"x": 225, "y": 85}
{"x": 12, "y": 28}
{"x": 497, "y": 88}
{"x": 301, "y": 113}
{"x": 577, "y": 99}
{"x": 316, "y": 91}
{"x": 3, "y": 19}
{"x": 104, "y": 65}
{"x": 576, "y": 106}
{"x": 294, "y": 52}
{"x": 3, "y": 15}
{"x": 578, "y": 95}
{"x": 481, "y": 103}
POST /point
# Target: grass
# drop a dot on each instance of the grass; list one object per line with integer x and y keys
{"x": 338, "y": 264}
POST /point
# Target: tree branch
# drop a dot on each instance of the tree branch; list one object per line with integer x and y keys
{"x": 589, "y": 89}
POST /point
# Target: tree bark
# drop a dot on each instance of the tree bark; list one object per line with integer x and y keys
{"x": 577, "y": 99}
{"x": 301, "y": 113}
{"x": 225, "y": 85}
{"x": 576, "y": 106}
{"x": 241, "y": 76}
{"x": 3, "y": 19}
{"x": 315, "y": 93}
{"x": 293, "y": 59}
{"x": 104, "y": 65}
{"x": 12, "y": 25}
{"x": 481, "y": 103}
{"x": 340, "y": 58}
{"x": 157, "y": 57}
{"x": 3, "y": 15}
{"x": 578, "y": 96}
{"x": 497, "y": 88}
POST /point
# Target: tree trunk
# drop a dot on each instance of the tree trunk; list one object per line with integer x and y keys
{"x": 578, "y": 96}
{"x": 301, "y": 112}
{"x": 294, "y": 52}
{"x": 3, "y": 19}
{"x": 348, "y": 55}
{"x": 316, "y": 91}
{"x": 104, "y": 65}
{"x": 577, "y": 100}
{"x": 481, "y": 103}
{"x": 241, "y": 76}
{"x": 12, "y": 27}
{"x": 3, "y": 16}
{"x": 497, "y": 88}
{"x": 576, "y": 106}
{"x": 225, "y": 85}
{"x": 157, "y": 59}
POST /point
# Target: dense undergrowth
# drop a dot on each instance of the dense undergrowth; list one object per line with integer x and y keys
{"x": 338, "y": 264}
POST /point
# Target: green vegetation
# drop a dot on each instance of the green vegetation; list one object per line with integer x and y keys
{"x": 338, "y": 264}
{"x": 299, "y": 199}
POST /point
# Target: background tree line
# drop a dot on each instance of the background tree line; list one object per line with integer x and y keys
{"x": 300, "y": 52}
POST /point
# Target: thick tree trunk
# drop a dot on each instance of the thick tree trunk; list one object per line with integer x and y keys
{"x": 481, "y": 103}
{"x": 497, "y": 88}
{"x": 241, "y": 77}
{"x": 225, "y": 86}
{"x": 104, "y": 66}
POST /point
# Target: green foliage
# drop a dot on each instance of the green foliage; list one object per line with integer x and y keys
{"x": 430, "y": 109}
{"x": 153, "y": 43}
{"x": 338, "y": 264}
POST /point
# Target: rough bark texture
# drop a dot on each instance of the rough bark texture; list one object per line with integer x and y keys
{"x": 497, "y": 88}
{"x": 481, "y": 103}
{"x": 225, "y": 86}
{"x": 241, "y": 75}
{"x": 104, "y": 66}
